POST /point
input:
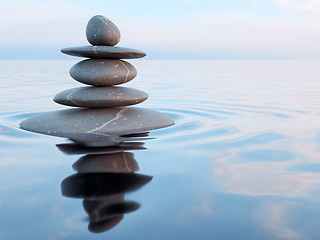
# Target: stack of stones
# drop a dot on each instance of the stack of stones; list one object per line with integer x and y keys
{"x": 103, "y": 70}
{"x": 101, "y": 117}
{"x": 104, "y": 176}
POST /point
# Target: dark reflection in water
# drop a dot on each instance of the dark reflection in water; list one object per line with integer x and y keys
{"x": 88, "y": 185}
{"x": 121, "y": 162}
{"x": 104, "y": 214}
{"x": 74, "y": 149}
{"x": 104, "y": 175}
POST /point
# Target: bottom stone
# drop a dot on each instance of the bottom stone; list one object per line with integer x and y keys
{"x": 97, "y": 127}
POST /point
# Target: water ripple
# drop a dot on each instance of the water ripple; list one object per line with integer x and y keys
{"x": 9, "y": 127}
{"x": 237, "y": 108}
{"x": 236, "y": 125}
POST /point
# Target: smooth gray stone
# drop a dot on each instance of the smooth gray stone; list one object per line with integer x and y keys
{"x": 122, "y": 162}
{"x": 97, "y": 127}
{"x": 102, "y": 31}
{"x": 106, "y": 52}
{"x": 103, "y": 72}
{"x": 99, "y": 97}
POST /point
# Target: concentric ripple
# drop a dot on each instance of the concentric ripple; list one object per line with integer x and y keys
{"x": 217, "y": 106}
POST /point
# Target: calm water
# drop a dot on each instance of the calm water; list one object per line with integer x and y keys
{"x": 242, "y": 161}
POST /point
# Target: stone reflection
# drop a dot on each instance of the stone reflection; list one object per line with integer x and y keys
{"x": 103, "y": 177}
{"x": 75, "y": 149}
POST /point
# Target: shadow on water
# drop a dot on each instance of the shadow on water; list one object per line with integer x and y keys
{"x": 104, "y": 175}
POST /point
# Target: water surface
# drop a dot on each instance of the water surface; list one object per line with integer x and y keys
{"x": 242, "y": 161}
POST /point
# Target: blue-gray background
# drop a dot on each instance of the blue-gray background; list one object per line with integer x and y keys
{"x": 180, "y": 29}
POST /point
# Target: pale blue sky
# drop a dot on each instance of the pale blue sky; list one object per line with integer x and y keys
{"x": 167, "y": 29}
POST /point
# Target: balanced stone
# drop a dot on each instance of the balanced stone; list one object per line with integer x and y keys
{"x": 103, "y": 52}
{"x": 102, "y": 31}
{"x": 101, "y": 118}
{"x": 98, "y": 97}
{"x": 123, "y": 162}
{"x": 97, "y": 127}
{"x": 103, "y": 72}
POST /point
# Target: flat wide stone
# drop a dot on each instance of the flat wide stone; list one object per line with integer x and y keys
{"x": 104, "y": 52}
{"x": 100, "y": 97}
{"x": 103, "y": 72}
{"x": 97, "y": 127}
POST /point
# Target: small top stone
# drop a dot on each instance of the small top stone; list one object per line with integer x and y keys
{"x": 102, "y": 31}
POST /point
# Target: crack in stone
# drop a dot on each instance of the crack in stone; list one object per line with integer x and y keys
{"x": 105, "y": 21}
{"x": 128, "y": 71}
{"x": 118, "y": 116}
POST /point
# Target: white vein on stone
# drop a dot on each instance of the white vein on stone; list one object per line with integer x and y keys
{"x": 70, "y": 95}
{"x": 106, "y": 23}
{"x": 118, "y": 116}
{"x": 128, "y": 71}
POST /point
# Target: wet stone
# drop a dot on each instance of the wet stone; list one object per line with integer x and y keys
{"x": 97, "y": 127}
{"x": 106, "y": 52}
{"x": 103, "y": 72}
{"x": 99, "y": 97}
{"x": 102, "y": 31}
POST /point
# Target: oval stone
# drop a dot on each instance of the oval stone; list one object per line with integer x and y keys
{"x": 103, "y": 52}
{"x": 102, "y": 31}
{"x": 100, "y": 97}
{"x": 103, "y": 72}
{"x": 97, "y": 127}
